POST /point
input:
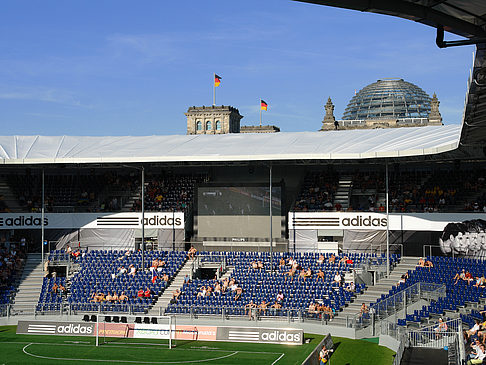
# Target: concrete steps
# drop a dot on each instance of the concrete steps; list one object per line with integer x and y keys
{"x": 177, "y": 282}
{"x": 342, "y": 191}
{"x": 30, "y": 284}
{"x": 374, "y": 292}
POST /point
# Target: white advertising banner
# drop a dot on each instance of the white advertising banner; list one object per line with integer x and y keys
{"x": 377, "y": 221}
{"x": 156, "y": 220}
{"x": 160, "y": 331}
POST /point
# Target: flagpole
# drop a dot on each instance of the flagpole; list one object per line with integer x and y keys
{"x": 260, "y": 113}
{"x": 214, "y": 88}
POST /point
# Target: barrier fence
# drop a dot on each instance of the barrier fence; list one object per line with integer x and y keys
{"x": 408, "y": 296}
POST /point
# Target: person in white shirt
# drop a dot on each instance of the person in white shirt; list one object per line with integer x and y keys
{"x": 337, "y": 278}
{"x": 480, "y": 356}
{"x": 473, "y": 330}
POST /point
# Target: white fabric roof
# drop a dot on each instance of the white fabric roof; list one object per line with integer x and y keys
{"x": 336, "y": 145}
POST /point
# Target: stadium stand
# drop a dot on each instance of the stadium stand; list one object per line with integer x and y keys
{"x": 170, "y": 193}
{"x": 12, "y": 259}
{"x": 263, "y": 285}
{"x": 101, "y": 274}
{"x": 317, "y": 192}
{"x": 410, "y": 191}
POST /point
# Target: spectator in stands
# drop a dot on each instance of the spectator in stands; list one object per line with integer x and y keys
{"x": 441, "y": 327}
{"x": 428, "y": 264}
{"x": 249, "y": 308}
{"x": 469, "y": 277}
{"x": 421, "y": 262}
{"x": 121, "y": 270}
{"x": 321, "y": 275}
{"x": 290, "y": 273}
{"x": 328, "y": 312}
{"x": 202, "y": 293}
{"x": 253, "y": 265}
{"x": 338, "y": 278}
{"x": 473, "y": 330}
{"x": 109, "y": 298}
{"x": 343, "y": 261}
{"x": 291, "y": 262}
{"x": 239, "y": 291}
{"x": 276, "y": 307}
{"x": 125, "y": 255}
{"x": 280, "y": 297}
{"x": 480, "y": 356}
{"x": 54, "y": 289}
{"x": 62, "y": 290}
{"x": 260, "y": 265}
{"x": 165, "y": 277}
{"x": 351, "y": 287}
{"x": 123, "y": 297}
{"x": 147, "y": 293}
{"x": 140, "y": 293}
{"x": 262, "y": 308}
{"x": 321, "y": 259}
{"x": 480, "y": 282}
{"x": 133, "y": 270}
{"x": 460, "y": 276}
{"x": 187, "y": 279}
{"x": 363, "y": 309}
{"x": 115, "y": 297}
{"x": 191, "y": 253}
{"x": 217, "y": 288}
{"x": 332, "y": 259}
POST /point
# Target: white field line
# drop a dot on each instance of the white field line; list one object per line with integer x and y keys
{"x": 273, "y": 363}
{"x": 24, "y": 349}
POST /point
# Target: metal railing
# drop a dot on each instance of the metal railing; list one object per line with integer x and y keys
{"x": 408, "y": 296}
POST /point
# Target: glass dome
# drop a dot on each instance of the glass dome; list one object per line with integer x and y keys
{"x": 388, "y": 99}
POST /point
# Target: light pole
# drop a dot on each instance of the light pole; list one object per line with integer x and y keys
{"x": 142, "y": 187}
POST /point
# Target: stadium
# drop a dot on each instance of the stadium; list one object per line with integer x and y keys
{"x": 232, "y": 244}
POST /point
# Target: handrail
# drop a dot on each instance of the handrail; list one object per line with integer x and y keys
{"x": 406, "y": 296}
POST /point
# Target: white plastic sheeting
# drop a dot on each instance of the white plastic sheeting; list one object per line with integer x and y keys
{"x": 351, "y": 144}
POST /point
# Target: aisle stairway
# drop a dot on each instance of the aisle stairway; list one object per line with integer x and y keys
{"x": 30, "y": 284}
{"x": 176, "y": 283}
{"x": 375, "y": 291}
{"x": 342, "y": 192}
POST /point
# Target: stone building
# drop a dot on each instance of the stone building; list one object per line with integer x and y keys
{"x": 213, "y": 119}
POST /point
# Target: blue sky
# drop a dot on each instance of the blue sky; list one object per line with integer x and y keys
{"x": 133, "y": 68}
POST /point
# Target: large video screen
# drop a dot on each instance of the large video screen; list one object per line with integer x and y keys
{"x": 238, "y": 212}
{"x": 238, "y": 200}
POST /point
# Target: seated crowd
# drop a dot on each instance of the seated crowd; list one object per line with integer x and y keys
{"x": 114, "y": 280}
{"x": 314, "y": 284}
{"x": 12, "y": 259}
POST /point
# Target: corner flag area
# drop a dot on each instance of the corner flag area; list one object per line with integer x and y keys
{"x": 37, "y": 349}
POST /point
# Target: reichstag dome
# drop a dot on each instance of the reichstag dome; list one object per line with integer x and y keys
{"x": 388, "y": 99}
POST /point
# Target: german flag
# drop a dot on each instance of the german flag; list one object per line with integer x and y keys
{"x": 263, "y": 105}
{"x": 217, "y": 80}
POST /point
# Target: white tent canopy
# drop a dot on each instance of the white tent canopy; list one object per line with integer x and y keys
{"x": 332, "y": 145}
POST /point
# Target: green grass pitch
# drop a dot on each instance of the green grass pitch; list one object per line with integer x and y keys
{"x": 37, "y": 349}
